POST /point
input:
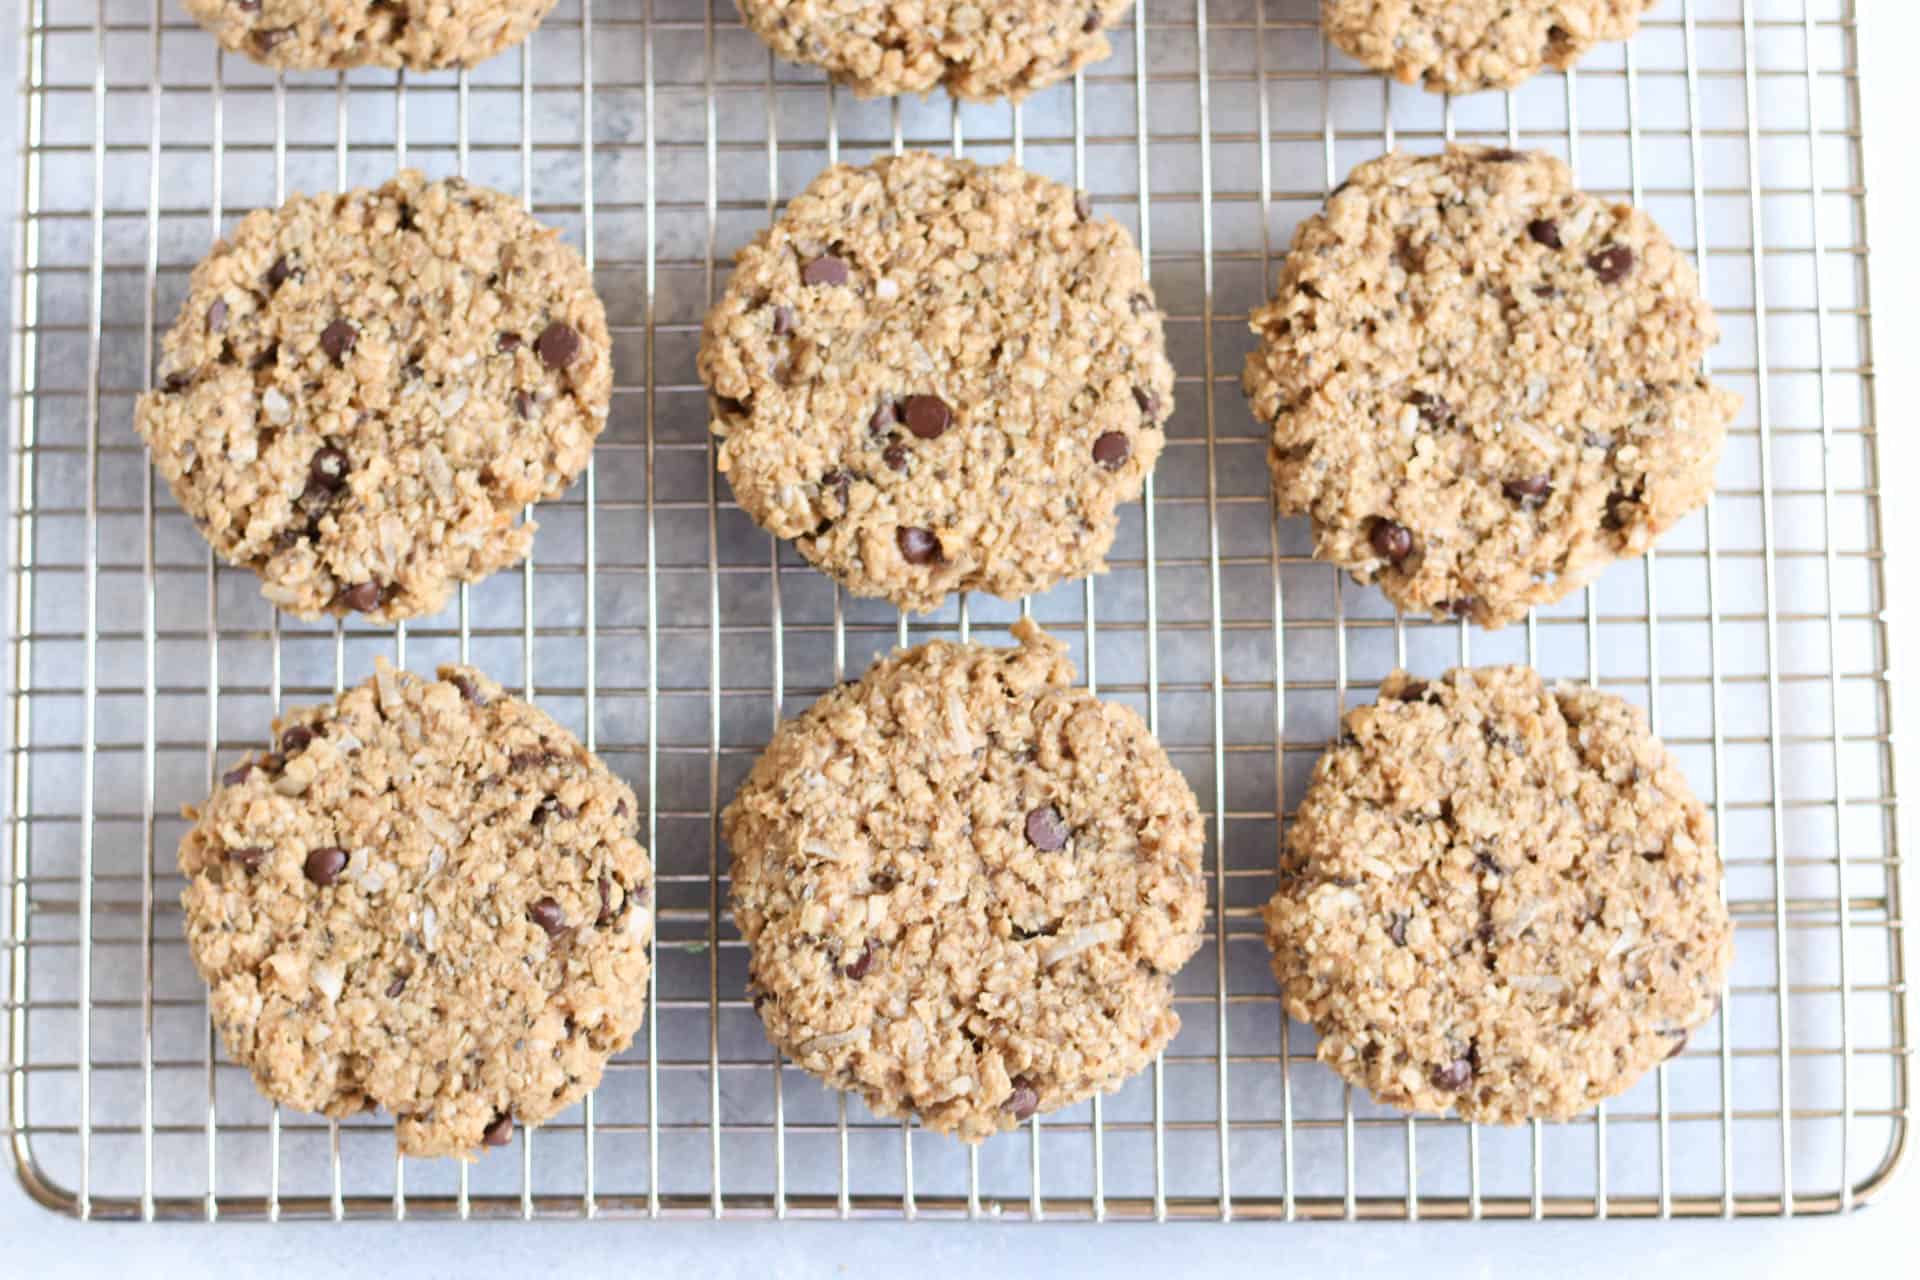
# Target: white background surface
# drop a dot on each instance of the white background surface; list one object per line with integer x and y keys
{"x": 1879, "y": 1239}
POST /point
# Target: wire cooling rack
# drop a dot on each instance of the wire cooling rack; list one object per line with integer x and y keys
{"x": 658, "y": 623}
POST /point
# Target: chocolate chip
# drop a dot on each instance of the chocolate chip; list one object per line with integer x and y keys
{"x": 1435, "y": 410}
{"x": 605, "y": 917}
{"x": 858, "y": 969}
{"x": 1528, "y": 491}
{"x": 1617, "y": 513}
{"x": 918, "y": 546}
{"x": 507, "y": 342}
{"x": 295, "y": 740}
{"x": 1461, "y": 607}
{"x": 1082, "y": 205}
{"x": 1149, "y": 403}
{"x": 267, "y": 37}
{"x": 1412, "y": 691}
{"x": 884, "y": 419}
{"x": 1092, "y": 24}
{"x": 1500, "y": 155}
{"x": 1654, "y": 855}
{"x": 267, "y": 358}
{"x": 499, "y": 1133}
{"x": 1453, "y": 1076}
{"x": 176, "y": 382}
{"x": 782, "y": 321}
{"x": 395, "y": 987}
{"x": 523, "y": 404}
{"x": 234, "y": 777}
{"x": 825, "y": 269}
{"x": 1023, "y": 1101}
{"x": 217, "y": 316}
{"x": 928, "y": 416}
{"x": 325, "y": 865}
{"x": 557, "y": 344}
{"x": 840, "y": 484}
{"x": 1112, "y": 449}
{"x": 250, "y": 856}
{"x": 469, "y": 690}
{"x": 1393, "y": 542}
{"x": 361, "y": 597}
{"x": 1679, "y": 1046}
{"x": 1612, "y": 263}
{"x": 281, "y": 270}
{"x": 337, "y": 339}
{"x": 327, "y": 471}
{"x": 1046, "y": 829}
{"x": 547, "y": 914}
{"x": 895, "y": 456}
{"x": 1545, "y": 231}
{"x": 550, "y": 808}
{"x": 1397, "y": 929}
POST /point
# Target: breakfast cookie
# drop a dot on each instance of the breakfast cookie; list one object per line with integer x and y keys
{"x": 364, "y": 391}
{"x": 1459, "y": 46}
{"x": 333, "y": 35}
{"x": 975, "y": 49}
{"x": 966, "y": 886}
{"x": 936, "y": 377}
{"x": 1484, "y": 385}
{"x": 426, "y": 898}
{"x": 1498, "y": 898}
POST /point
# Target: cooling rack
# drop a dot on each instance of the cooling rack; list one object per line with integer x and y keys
{"x": 667, "y": 631}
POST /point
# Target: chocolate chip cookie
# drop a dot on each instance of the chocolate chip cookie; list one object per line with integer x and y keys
{"x": 1459, "y": 46}
{"x": 1498, "y": 898}
{"x": 1484, "y": 385}
{"x": 427, "y": 897}
{"x": 333, "y": 35}
{"x": 966, "y": 886}
{"x": 364, "y": 391}
{"x": 975, "y": 49}
{"x": 934, "y": 376}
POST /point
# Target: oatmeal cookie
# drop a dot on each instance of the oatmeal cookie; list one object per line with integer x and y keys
{"x": 334, "y": 35}
{"x": 1459, "y": 46}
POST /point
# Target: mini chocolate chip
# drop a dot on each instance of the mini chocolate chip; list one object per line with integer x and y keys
{"x": 249, "y": 857}
{"x": 395, "y": 987}
{"x": 295, "y": 740}
{"x": 1393, "y": 542}
{"x": 858, "y": 969}
{"x": 217, "y": 316}
{"x": 499, "y": 1133}
{"x": 328, "y": 470}
{"x": 279, "y": 273}
{"x": 1612, "y": 263}
{"x": 1046, "y": 829}
{"x": 1528, "y": 491}
{"x": 1149, "y": 403}
{"x": 1545, "y": 231}
{"x": 1397, "y": 928}
{"x": 1412, "y": 691}
{"x": 884, "y": 419}
{"x": 782, "y": 321}
{"x": 548, "y": 915}
{"x": 325, "y": 865}
{"x": 558, "y": 345}
{"x": 361, "y": 597}
{"x": 1023, "y": 1101}
{"x": 895, "y": 456}
{"x": 825, "y": 269}
{"x": 337, "y": 339}
{"x": 523, "y": 404}
{"x": 469, "y": 690}
{"x": 1434, "y": 409}
{"x": 507, "y": 342}
{"x": 928, "y": 416}
{"x": 840, "y": 483}
{"x": 234, "y": 777}
{"x": 605, "y": 917}
{"x": 1111, "y": 449}
{"x": 917, "y": 545}
{"x": 1454, "y": 1076}
{"x": 1082, "y": 205}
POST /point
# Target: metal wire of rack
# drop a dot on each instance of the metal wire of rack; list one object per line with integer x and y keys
{"x": 661, "y": 626}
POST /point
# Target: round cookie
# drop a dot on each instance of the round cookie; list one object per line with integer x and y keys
{"x": 1484, "y": 384}
{"x": 364, "y": 391}
{"x": 1460, "y": 46}
{"x": 936, "y": 377}
{"x": 966, "y": 886}
{"x": 429, "y": 899}
{"x": 1498, "y": 898}
{"x": 979, "y": 50}
{"x": 334, "y": 35}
